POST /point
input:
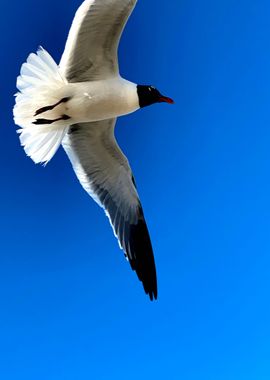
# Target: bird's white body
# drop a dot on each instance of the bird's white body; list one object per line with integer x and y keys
{"x": 42, "y": 83}
{"x": 99, "y": 100}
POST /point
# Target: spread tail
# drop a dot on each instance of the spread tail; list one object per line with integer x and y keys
{"x": 40, "y": 107}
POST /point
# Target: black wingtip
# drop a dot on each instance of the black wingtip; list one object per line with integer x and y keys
{"x": 134, "y": 240}
{"x": 152, "y": 296}
{"x": 143, "y": 261}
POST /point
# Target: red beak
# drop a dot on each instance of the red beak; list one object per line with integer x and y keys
{"x": 164, "y": 99}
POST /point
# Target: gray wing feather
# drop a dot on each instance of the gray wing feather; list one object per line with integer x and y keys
{"x": 105, "y": 174}
{"x": 92, "y": 44}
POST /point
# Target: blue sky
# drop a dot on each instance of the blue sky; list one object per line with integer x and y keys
{"x": 70, "y": 308}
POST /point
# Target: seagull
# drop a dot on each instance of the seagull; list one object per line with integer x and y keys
{"x": 76, "y": 104}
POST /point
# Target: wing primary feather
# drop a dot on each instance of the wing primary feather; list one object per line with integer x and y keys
{"x": 141, "y": 251}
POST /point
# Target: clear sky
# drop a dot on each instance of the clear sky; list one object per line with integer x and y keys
{"x": 70, "y": 307}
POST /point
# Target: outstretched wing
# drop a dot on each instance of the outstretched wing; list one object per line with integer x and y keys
{"x": 92, "y": 44}
{"x": 105, "y": 174}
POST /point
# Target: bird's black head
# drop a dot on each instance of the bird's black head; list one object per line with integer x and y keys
{"x": 149, "y": 95}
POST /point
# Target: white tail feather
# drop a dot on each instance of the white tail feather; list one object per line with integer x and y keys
{"x": 41, "y": 144}
{"x": 40, "y": 84}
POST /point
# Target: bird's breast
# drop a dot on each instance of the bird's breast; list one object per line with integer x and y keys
{"x": 94, "y": 101}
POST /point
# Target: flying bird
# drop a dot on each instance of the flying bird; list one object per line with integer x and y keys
{"x": 76, "y": 104}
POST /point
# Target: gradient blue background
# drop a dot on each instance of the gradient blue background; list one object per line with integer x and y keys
{"x": 70, "y": 308}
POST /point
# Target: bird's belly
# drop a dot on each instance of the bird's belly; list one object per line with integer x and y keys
{"x": 93, "y": 105}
